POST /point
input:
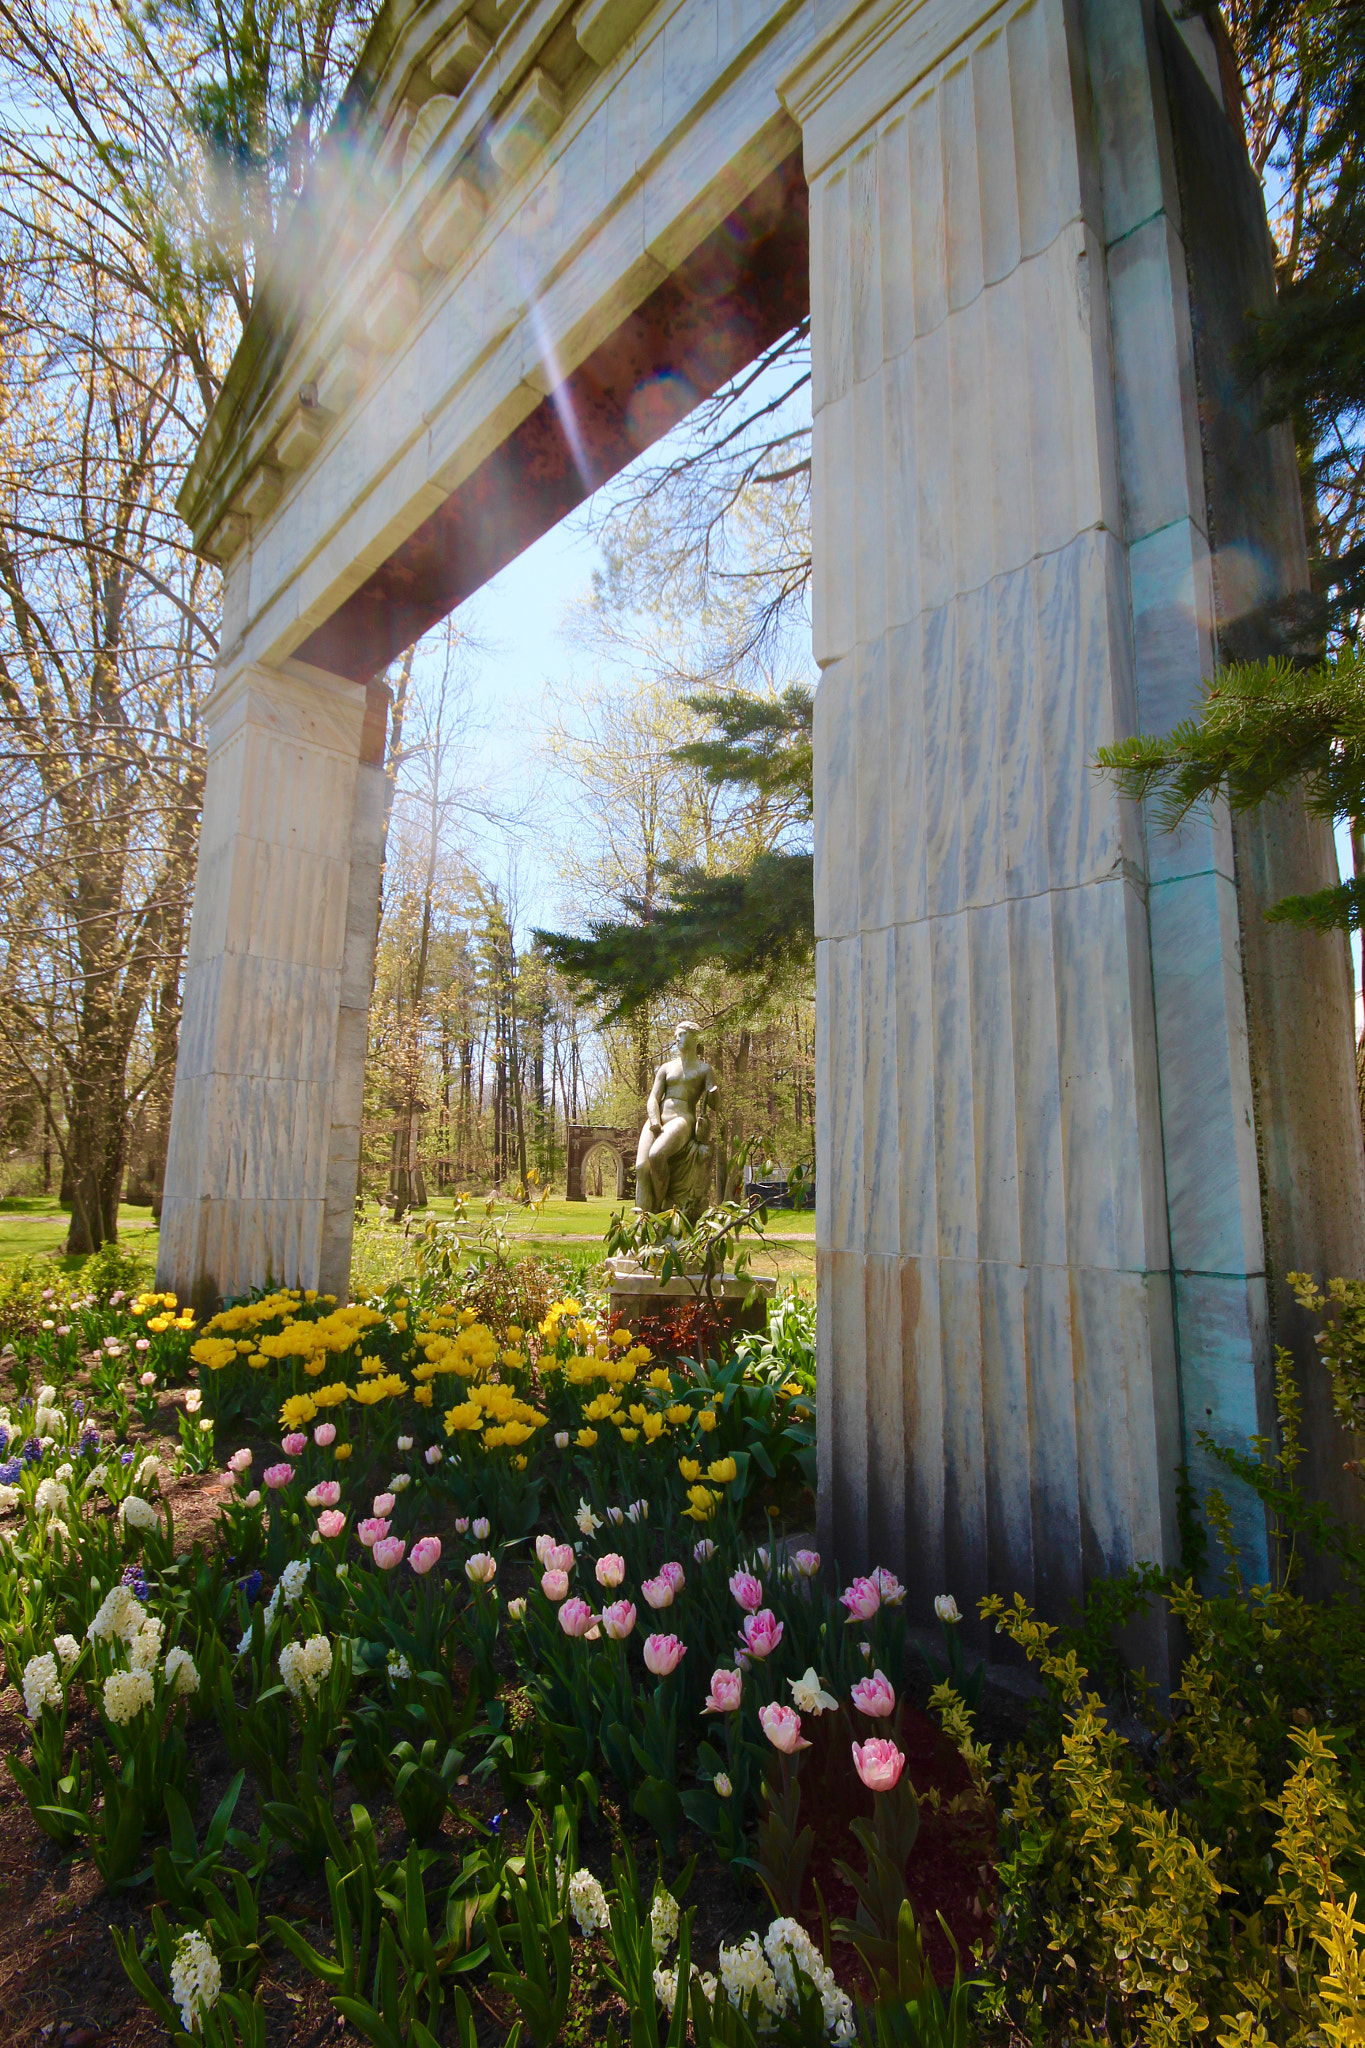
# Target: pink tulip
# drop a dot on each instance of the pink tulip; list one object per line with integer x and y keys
{"x": 544, "y": 1545}
{"x": 331, "y": 1522}
{"x": 554, "y": 1585}
{"x": 461, "y": 1524}
{"x": 727, "y": 1687}
{"x": 481, "y": 1569}
{"x": 239, "y": 1461}
{"x": 372, "y": 1530}
{"x": 388, "y": 1552}
{"x": 879, "y": 1764}
{"x": 862, "y": 1599}
{"x": 618, "y": 1620}
{"x": 325, "y": 1435}
{"x": 482, "y": 1527}
{"x": 253, "y": 1499}
{"x": 747, "y": 1590}
{"x": 889, "y": 1586}
{"x": 875, "y": 1696}
{"x": 383, "y": 1504}
{"x": 295, "y": 1444}
{"x": 276, "y": 1476}
{"x": 559, "y": 1558}
{"x": 575, "y": 1617}
{"x": 426, "y": 1552}
{"x": 782, "y": 1726}
{"x": 611, "y": 1569}
{"x": 663, "y": 1654}
{"x": 703, "y": 1550}
{"x": 657, "y": 1592}
{"x": 325, "y": 1494}
{"x": 807, "y": 1562}
{"x": 762, "y": 1633}
{"x": 673, "y": 1575}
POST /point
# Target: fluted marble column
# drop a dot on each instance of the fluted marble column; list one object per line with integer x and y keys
{"x": 265, "y": 1128}
{"x": 1028, "y": 1080}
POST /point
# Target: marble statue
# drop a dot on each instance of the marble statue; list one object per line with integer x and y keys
{"x": 673, "y": 1163}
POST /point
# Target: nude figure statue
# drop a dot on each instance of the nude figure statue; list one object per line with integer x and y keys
{"x": 673, "y": 1153}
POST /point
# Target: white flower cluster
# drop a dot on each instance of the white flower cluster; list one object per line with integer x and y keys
{"x": 588, "y": 1902}
{"x": 10, "y": 1497}
{"x": 790, "y": 1949}
{"x": 663, "y": 1921}
{"x": 398, "y": 1666}
{"x": 136, "y": 1513}
{"x": 747, "y": 1974}
{"x": 68, "y": 1650}
{"x": 148, "y": 1472}
{"x": 51, "y": 1497}
{"x": 666, "y": 1988}
{"x": 145, "y": 1646}
{"x": 48, "y": 1420}
{"x": 126, "y": 1693}
{"x": 303, "y": 1666}
{"x": 288, "y": 1587}
{"x": 196, "y": 1979}
{"x": 182, "y": 1674}
{"x": 120, "y": 1615}
{"x": 42, "y": 1687}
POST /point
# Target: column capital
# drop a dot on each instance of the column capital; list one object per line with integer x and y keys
{"x": 835, "y": 92}
{"x": 298, "y": 701}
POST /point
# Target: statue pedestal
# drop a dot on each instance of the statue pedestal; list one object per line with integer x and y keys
{"x": 635, "y": 1291}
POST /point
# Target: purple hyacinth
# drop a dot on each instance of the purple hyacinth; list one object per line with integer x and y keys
{"x": 127, "y": 1457}
{"x": 136, "y": 1580}
{"x": 9, "y": 1474}
{"x": 32, "y": 1453}
{"x": 251, "y": 1586}
{"x": 88, "y": 1443}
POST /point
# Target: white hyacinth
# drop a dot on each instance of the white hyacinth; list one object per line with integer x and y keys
{"x": 136, "y": 1513}
{"x": 196, "y": 1979}
{"x": 666, "y": 1987}
{"x": 182, "y": 1675}
{"x": 303, "y": 1666}
{"x": 42, "y": 1686}
{"x": 789, "y": 1949}
{"x": 119, "y": 1615}
{"x": 145, "y": 1647}
{"x": 67, "y": 1649}
{"x": 588, "y": 1902}
{"x": 746, "y": 1974}
{"x": 148, "y": 1472}
{"x": 10, "y": 1497}
{"x": 663, "y": 1921}
{"x": 126, "y": 1693}
{"x": 50, "y": 1499}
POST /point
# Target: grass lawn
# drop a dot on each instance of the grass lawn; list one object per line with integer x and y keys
{"x": 34, "y": 1226}
{"x": 561, "y": 1227}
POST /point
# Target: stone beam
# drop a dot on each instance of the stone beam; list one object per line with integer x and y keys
{"x": 744, "y": 287}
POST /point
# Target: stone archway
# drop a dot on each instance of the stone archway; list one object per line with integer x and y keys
{"x": 1071, "y": 1087}
{"x": 585, "y": 1140}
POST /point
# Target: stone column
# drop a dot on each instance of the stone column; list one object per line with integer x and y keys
{"x": 1027, "y": 1081}
{"x": 265, "y": 1128}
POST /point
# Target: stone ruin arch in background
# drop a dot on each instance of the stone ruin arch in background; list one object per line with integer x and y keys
{"x": 584, "y": 1140}
{"x": 1079, "y": 1107}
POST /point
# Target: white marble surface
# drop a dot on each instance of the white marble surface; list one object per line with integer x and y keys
{"x": 1032, "y": 1094}
{"x": 260, "y": 1177}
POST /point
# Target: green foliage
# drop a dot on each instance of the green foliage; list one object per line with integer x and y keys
{"x": 1205, "y": 1877}
{"x": 1264, "y": 727}
{"x": 757, "y": 923}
